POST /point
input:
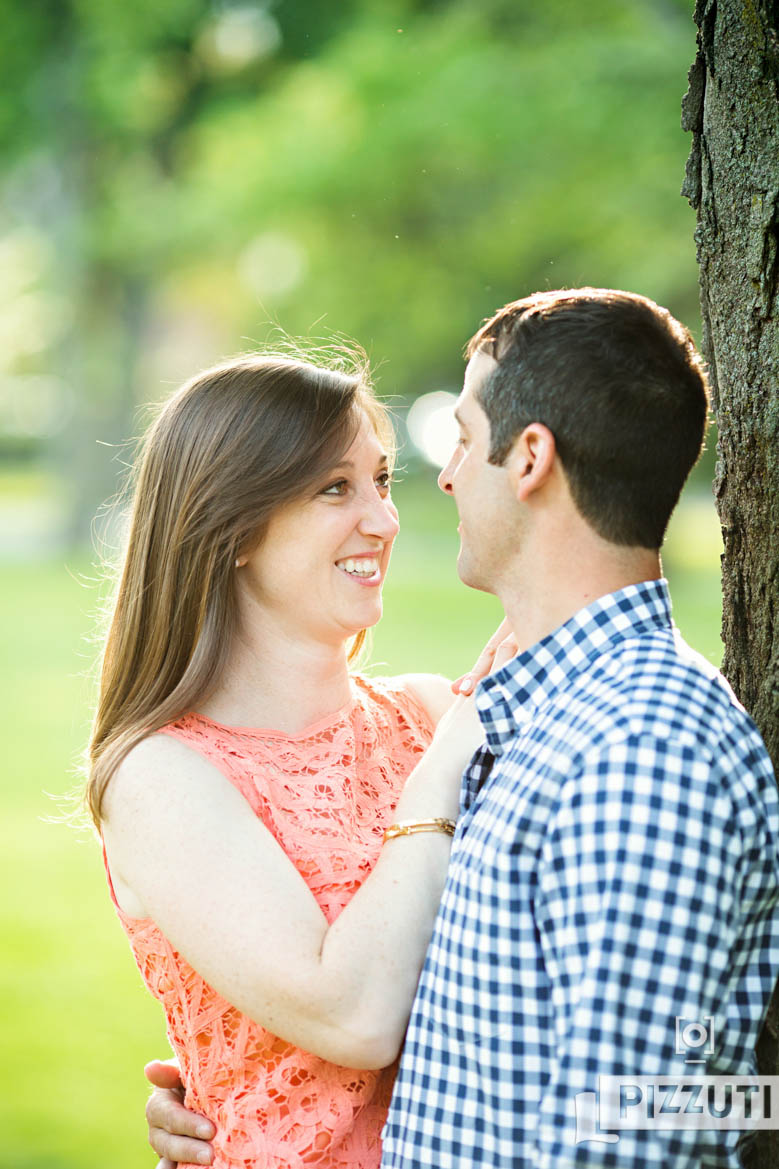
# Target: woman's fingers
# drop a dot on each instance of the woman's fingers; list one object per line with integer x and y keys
{"x": 500, "y": 647}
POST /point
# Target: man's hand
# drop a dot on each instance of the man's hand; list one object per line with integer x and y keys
{"x": 174, "y": 1133}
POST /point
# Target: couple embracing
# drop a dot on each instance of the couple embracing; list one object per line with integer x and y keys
{"x": 524, "y": 886}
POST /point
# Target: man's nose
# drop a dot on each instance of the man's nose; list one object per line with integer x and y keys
{"x": 445, "y": 478}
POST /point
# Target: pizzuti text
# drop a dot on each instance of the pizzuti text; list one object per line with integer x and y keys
{"x": 743, "y": 1102}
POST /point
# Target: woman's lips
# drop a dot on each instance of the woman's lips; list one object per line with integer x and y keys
{"x": 364, "y": 569}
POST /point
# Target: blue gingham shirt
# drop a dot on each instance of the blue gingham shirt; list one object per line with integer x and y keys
{"x": 615, "y": 869}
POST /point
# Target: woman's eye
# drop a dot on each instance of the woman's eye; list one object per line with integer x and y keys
{"x": 339, "y": 488}
{"x": 384, "y": 480}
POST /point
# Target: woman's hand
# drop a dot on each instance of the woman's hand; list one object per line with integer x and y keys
{"x": 501, "y": 647}
{"x": 174, "y": 1133}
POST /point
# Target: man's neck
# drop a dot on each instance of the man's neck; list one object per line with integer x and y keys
{"x": 552, "y": 585}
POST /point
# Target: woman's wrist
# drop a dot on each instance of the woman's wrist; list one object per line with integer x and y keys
{"x": 411, "y": 827}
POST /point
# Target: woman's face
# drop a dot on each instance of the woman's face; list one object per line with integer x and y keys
{"x": 320, "y": 569}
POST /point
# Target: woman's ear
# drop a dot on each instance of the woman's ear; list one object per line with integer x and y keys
{"x": 531, "y": 460}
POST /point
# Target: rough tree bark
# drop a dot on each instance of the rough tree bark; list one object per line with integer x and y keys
{"x": 732, "y": 109}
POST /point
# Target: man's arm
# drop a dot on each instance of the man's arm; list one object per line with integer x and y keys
{"x": 639, "y": 920}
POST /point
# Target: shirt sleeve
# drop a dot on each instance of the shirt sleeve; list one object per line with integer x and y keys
{"x": 637, "y": 910}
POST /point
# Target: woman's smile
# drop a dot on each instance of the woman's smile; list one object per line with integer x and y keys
{"x": 363, "y": 567}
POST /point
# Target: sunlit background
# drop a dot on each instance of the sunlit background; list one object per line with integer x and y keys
{"x": 185, "y": 179}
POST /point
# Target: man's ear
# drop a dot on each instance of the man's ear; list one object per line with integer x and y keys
{"x": 531, "y": 459}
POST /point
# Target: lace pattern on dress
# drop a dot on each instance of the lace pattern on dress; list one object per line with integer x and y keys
{"x": 326, "y": 795}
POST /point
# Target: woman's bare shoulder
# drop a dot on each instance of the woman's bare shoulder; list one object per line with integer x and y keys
{"x": 157, "y": 750}
{"x": 157, "y": 766}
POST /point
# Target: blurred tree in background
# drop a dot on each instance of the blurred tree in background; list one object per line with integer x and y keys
{"x": 179, "y": 175}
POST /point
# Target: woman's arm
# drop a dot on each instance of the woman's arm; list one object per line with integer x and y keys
{"x": 172, "y": 1130}
{"x": 193, "y": 856}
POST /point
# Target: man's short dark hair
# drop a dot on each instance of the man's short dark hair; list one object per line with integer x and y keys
{"x": 621, "y": 386}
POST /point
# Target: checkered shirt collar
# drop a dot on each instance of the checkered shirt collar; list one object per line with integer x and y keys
{"x": 507, "y": 699}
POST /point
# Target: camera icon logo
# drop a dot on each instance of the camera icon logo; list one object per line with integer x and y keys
{"x": 695, "y": 1038}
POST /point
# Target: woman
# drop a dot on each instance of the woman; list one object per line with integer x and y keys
{"x": 278, "y": 885}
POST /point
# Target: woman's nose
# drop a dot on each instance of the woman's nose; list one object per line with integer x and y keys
{"x": 380, "y": 518}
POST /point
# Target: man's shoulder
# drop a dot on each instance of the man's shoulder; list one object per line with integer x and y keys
{"x": 658, "y": 663}
{"x": 651, "y": 706}
{"x": 654, "y": 685}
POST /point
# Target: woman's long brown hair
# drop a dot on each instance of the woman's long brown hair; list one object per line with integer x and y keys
{"x": 232, "y": 446}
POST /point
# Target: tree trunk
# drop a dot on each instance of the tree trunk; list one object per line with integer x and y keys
{"x": 732, "y": 109}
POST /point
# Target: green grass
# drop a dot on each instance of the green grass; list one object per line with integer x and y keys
{"x": 78, "y": 1023}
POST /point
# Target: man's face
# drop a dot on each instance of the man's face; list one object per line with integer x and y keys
{"x": 487, "y": 507}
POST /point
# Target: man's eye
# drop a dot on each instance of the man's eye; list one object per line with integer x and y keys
{"x": 338, "y": 488}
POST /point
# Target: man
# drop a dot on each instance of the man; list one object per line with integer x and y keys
{"x": 612, "y": 905}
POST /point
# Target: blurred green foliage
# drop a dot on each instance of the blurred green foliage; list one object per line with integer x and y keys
{"x": 180, "y": 177}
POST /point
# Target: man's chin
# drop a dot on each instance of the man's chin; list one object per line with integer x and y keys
{"x": 469, "y": 575}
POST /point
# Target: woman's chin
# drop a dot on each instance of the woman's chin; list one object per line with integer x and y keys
{"x": 368, "y": 623}
{"x": 370, "y": 616}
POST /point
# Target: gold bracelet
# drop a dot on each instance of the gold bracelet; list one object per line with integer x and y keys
{"x": 409, "y": 827}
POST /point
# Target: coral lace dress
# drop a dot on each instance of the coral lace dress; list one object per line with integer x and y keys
{"x": 327, "y": 795}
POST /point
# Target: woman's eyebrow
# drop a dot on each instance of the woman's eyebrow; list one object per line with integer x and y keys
{"x": 349, "y": 464}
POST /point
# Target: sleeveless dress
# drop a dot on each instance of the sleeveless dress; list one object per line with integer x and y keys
{"x": 327, "y": 795}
